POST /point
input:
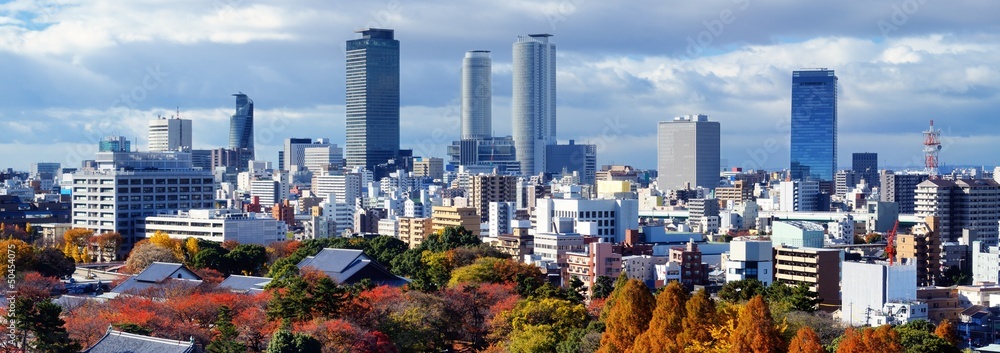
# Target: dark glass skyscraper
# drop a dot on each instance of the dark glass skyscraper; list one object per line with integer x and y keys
{"x": 241, "y": 124}
{"x": 814, "y": 124}
{"x": 372, "y": 98}
{"x": 866, "y": 163}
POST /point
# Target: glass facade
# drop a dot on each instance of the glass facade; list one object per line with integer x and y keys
{"x": 534, "y": 100}
{"x": 241, "y": 124}
{"x": 814, "y": 125}
{"x": 372, "y": 98}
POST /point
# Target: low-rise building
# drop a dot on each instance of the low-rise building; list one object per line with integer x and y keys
{"x": 444, "y": 216}
{"x": 643, "y": 268}
{"x": 923, "y": 247}
{"x": 219, "y": 225}
{"x": 413, "y": 230}
{"x": 597, "y": 260}
{"x": 693, "y": 271}
{"x": 871, "y": 286}
{"x": 797, "y": 234}
{"x": 942, "y": 303}
{"x": 817, "y": 268}
{"x": 750, "y": 259}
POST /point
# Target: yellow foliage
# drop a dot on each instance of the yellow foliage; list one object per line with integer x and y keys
{"x": 192, "y": 246}
{"x": 22, "y": 252}
{"x": 77, "y": 244}
{"x": 164, "y": 240}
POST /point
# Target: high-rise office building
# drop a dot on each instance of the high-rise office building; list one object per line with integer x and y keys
{"x": 169, "y": 134}
{"x": 477, "y": 95}
{"x": 114, "y": 144}
{"x": 372, "y": 98}
{"x": 688, "y": 153}
{"x": 293, "y": 153}
{"x": 572, "y": 157}
{"x": 534, "y": 100}
{"x": 866, "y": 163}
{"x": 814, "y": 124}
{"x": 241, "y": 128}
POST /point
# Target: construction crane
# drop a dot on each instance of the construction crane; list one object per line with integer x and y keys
{"x": 890, "y": 246}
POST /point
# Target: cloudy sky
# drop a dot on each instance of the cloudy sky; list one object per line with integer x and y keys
{"x": 72, "y": 71}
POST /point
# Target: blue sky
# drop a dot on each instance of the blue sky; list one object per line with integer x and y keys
{"x": 73, "y": 71}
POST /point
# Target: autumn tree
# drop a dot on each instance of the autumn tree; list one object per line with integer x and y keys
{"x": 755, "y": 331}
{"x": 666, "y": 322}
{"x": 628, "y": 318}
{"x": 23, "y": 255}
{"x": 53, "y": 263}
{"x": 805, "y": 341}
{"x": 145, "y": 253}
{"x": 882, "y": 339}
{"x": 162, "y": 239}
{"x": 77, "y": 244}
{"x": 946, "y": 331}
{"x": 538, "y": 325}
{"x": 700, "y": 317}
{"x": 226, "y": 334}
{"x": 613, "y": 297}
{"x": 108, "y": 245}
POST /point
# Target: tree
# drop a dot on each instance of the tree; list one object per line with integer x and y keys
{"x": 755, "y": 331}
{"x": 603, "y": 287}
{"x": 882, "y": 339}
{"x": 628, "y": 318}
{"x": 613, "y": 297}
{"x": 145, "y": 253}
{"x": 805, "y": 341}
{"x": 946, "y": 331}
{"x": 284, "y": 341}
{"x": 162, "y": 239}
{"x": 226, "y": 334}
{"x": 108, "y": 245}
{"x": 540, "y": 324}
{"x": 40, "y": 319}
{"x": 51, "y": 262}
{"x": 741, "y": 291}
{"x": 699, "y": 320}
{"x": 450, "y": 238}
{"x": 77, "y": 244}
{"x": 666, "y": 322}
{"x": 247, "y": 259}
{"x": 213, "y": 259}
{"x": 385, "y": 248}
{"x": 23, "y": 255}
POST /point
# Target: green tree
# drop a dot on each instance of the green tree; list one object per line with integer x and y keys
{"x": 741, "y": 291}
{"x": 247, "y": 259}
{"x": 385, "y": 248}
{"x": 134, "y": 328}
{"x": 39, "y": 321}
{"x": 226, "y": 339}
{"x": 603, "y": 287}
{"x": 628, "y": 318}
{"x": 212, "y": 258}
{"x": 284, "y": 341}
{"x": 538, "y": 325}
{"x": 450, "y": 238}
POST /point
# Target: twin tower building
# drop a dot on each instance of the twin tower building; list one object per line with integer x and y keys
{"x": 373, "y": 105}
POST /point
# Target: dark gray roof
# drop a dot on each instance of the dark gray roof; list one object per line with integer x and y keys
{"x": 156, "y": 275}
{"x": 122, "y": 342}
{"x": 245, "y": 284}
{"x": 159, "y": 271}
{"x": 349, "y": 266}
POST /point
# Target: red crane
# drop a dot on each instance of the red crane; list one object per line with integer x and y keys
{"x": 890, "y": 246}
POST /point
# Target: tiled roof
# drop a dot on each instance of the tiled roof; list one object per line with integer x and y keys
{"x": 122, "y": 342}
{"x": 245, "y": 284}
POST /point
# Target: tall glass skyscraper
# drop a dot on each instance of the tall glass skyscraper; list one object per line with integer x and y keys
{"x": 241, "y": 124}
{"x": 814, "y": 125}
{"x": 372, "y": 98}
{"x": 534, "y": 100}
{"x": 477, "y": 95}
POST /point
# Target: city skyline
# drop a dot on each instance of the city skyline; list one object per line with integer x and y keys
{"x": 898, "y": 70}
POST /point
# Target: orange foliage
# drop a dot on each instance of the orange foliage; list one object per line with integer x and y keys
{"x": 595, "y": 306}
{"x": 665, "y": 323}
{"x": 87, "y": 323}
{"x": 805, "y": 341}
{"x": 947, "y": 331}
{"x": 883, "y": 339}
{"x": 755, "y": 331}
{"x": 36, "y": 286}
{"x": 628, "y": 318}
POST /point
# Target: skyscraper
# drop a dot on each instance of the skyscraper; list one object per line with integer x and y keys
{"x": 688, "y": 152}
{"x": 241, "y": 124}
{"x": 814, "y": 124}
{"x": 534, "y": 100}
{"x": 866, "y": 163}
{"x": 169, "y": 134}
{"x": 477, "y": 95}
{"x": 372, "y": 98}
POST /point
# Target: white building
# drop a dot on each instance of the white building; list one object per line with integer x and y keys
{"x": 799, "y": 195}
{"x": 867, "y": 287}
{"x": 985, "y": 263}
{"x": 219, "y": 225}
{"x": 611, "y": 217}
{"x": 840, "y": 232}
{"x": 322, "y": 157}
{"x": 169, "y": 135}
{"x": 341, "y": 213}
{"x": 553, "y": 245}
{"x": 534, "y": 100}
{"x": 750, "y": 259}
{"x": 388, "y": 227}
{"x": 345, "y": 188}
{"x": 269, "y": 191}
{"x": 643, "y": 267}
{"x": 501, "y": 218}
